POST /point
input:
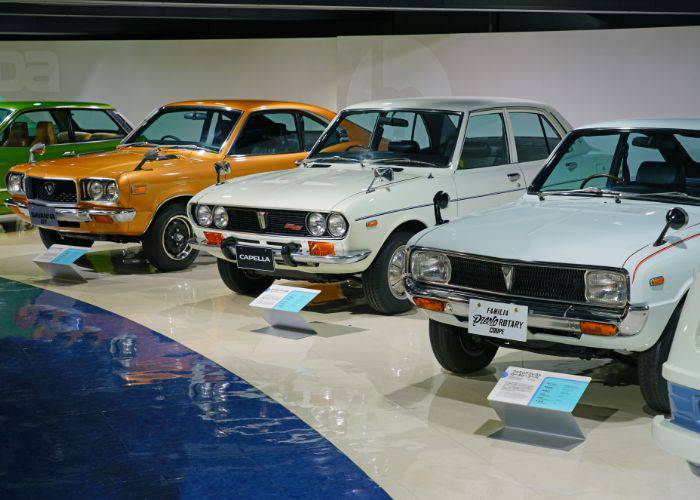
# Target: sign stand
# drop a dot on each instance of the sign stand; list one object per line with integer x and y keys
{"x": 57, "y": 262}
{"x": 280, "y": 306}
{"x": 535, "y": 407}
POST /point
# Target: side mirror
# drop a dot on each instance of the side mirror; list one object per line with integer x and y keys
{"x": 37, "y": 149}
{"x": 440, "y": 202}
{"x": 221, "y": 167}
{"x": 150, "y": 155}
{"x": 676, "y": 219}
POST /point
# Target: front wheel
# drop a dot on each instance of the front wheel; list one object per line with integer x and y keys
{"x": 241, "y": 281}
{"x": 166, "y": 243}
{"x": 382, "y": 282}
{"x": 50, "y": 237}
{"x": 457, "y": 351}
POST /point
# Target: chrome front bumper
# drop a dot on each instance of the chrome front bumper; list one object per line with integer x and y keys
{"x": 554, "y": 316}
{"x": 281, "y": 256}
{"x": 70, "y": 214}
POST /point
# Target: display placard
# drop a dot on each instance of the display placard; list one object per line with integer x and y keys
{"x": 58, "y": 261}
{"x": 280, "y": 306}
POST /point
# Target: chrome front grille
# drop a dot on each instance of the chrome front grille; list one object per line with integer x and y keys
{"x": 51, "y": 190}
{"x": 566, "y": 284}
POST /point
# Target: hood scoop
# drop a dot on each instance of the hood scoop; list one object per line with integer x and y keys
{"x": 153, "y": 155}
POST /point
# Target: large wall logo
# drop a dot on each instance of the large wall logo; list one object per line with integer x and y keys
{"x": 31, "y": 70}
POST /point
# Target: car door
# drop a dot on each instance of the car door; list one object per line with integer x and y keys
{"x": 94, "y": 130}
{"x": 270, "y": 140}
{"x": 486, "y": 175}
{"x": 47, "y": 126}
{"x": 534, "y": 138}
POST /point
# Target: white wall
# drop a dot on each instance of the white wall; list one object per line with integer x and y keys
{"x": 587, "y": 75}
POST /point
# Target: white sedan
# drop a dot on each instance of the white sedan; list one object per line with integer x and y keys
{"x": 594, "y": 261}
{"x": 380, "y": 173}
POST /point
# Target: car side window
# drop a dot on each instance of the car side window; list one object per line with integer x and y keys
{"x": 528, "y": 132}
{"x": 485, "y": 143}
{"x": 34, "y": 127}
{"x": 94, "y": 125}
{"x": 550, "y": 134}
{"x": 270, "y": 133}
{"x": 313, "y": 128}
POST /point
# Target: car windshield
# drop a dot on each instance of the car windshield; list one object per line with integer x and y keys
{"x": 413, "y": 137}
{"x": 643, "y": 163}
{"x": 4, "y": 113}
{"x": 206, "y": 128}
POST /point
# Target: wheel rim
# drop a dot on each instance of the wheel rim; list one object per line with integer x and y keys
{"x": 472, "y": 344}
{"x": 176, "y": 236}
{"x": 395, "y": 272}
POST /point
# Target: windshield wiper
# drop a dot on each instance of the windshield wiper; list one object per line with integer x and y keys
{"x": 141, "y": 144}
{"x": 309, "y": 162}
{"x": 404, "y": 160}
{"x": 187, "y": 146}
{"x": 591, "y": 190}
{"x": 667, "y": 194}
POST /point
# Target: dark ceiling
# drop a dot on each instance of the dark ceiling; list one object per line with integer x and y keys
{"x": 167, "y": 19}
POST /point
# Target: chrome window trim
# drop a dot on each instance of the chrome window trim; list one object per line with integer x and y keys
{"x": 516, "y": 262}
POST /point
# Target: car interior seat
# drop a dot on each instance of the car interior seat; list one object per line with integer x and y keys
{"x": 44, "y": 134}
{"x": 659, "y": 173}
{"x": 18, "y": 136}
{"x": 407, "y": 146}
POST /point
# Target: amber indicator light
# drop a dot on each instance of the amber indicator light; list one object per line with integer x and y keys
{"x": 657, "y": 281}
{"x": 430, "y": 304}
{"x": 372, "y": 223}
{"x": 321, "y": 248}
{"x": 136, "y": 189}
{"x": 104, "y": 219}
{"x": 214, "y": 238}
{"x": 593, "y": 328}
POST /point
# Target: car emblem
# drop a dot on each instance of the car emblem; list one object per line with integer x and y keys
{"x": 292, "y": 227}
{"x": 50, "y": 187}
{"x": 508, "y": 276}
{"x": 262, "y": 220}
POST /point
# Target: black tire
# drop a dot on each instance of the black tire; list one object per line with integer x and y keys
{"x": 457, "y": 351}
{"x": 652, "y": 384}
{"x": 50, "y": 237}
{"x": 165, "y": 243}
{"x": 243, "y": 282}
{"x": 375, "y": 280}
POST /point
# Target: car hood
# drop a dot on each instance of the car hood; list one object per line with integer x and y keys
{"x": 301, "y": 188}
{"x": 571, "y": 230}
{"x": 109, "y": 164}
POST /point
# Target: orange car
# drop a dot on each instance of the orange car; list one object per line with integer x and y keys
{"x": 140, "y": 191}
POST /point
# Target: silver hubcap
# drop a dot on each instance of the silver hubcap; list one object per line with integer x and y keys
{"x": 396, "y": 267}
{"x": 175, "y": 239}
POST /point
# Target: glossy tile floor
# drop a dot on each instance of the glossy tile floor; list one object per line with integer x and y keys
{"x": 369, "y": 385}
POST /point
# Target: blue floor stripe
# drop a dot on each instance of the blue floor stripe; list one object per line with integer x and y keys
{"x": 93, "y": 405}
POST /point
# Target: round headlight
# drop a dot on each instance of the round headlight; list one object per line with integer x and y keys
{"x": 112, "y": 191}
{"x": 95, "y": 189}
{"x": 432, "y": 267}
{"x": 337, "y": 225}
{"x": 316, "y": 224}
{"x": 220, "y": 217}
{"x": 14, "y": 183}
{"x": 204, "y": 215}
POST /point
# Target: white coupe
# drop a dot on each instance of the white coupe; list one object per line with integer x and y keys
{"x": 594, "y": 261}
{"x": 381, "y": 172}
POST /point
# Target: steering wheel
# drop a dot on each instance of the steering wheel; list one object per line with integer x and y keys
{"x": 169, "y": 136}
{"x": 596, "y": 176}
{"x": 360, "y": 146}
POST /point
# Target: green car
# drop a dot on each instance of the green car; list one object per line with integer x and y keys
{"x": 65, "y": 128}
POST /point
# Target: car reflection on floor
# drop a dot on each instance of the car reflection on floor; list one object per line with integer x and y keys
{"x": 92, "y": 404}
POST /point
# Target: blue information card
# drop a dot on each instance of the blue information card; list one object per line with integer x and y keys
{"x": 558, "y": 394}
{"x": 69, "y": 255}
{"x": 295, "y": 301}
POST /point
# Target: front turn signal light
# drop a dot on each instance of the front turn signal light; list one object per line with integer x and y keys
{"x": 214, "y": 238}
{"x": 593, "y": 328}
{"x": 429, "y": 304}
{"x": 321, "y": 248}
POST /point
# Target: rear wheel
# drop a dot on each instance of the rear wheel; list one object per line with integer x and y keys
{"x": 166, "y": 243}
{"x": 50, "y": 237}
{"x": 651, "y": 382}
{"x": 382, "y": 282}
{"x": 458, "y": 351}
{"x": 241, "y": 281}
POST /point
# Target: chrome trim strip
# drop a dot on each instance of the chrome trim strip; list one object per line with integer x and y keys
{"x": 350, "y": 258}
{"x": 488, "y": 194}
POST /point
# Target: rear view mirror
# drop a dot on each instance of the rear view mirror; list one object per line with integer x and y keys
{"x": 394, "y": 122}
{"x": 37, "y": 149}
{"x": 221, "y": 167}
{"x": 196, "y": 115}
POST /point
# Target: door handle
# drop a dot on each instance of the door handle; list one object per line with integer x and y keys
{"x": 69, "y": 153}
{"x": 514, "y": 176}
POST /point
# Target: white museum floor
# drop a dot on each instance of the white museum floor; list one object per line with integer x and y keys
{"x": 371, "y": 386}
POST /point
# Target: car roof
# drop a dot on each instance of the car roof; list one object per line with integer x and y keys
{"x": 244, "y": 104}
{"x": 460, "y": 104}
{"x": 24, "y": 105}
{"x": 662, "y": 123}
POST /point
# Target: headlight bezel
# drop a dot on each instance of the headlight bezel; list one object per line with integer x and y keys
{"x": 323, "y": 219}
{"x": 438, "y": 257}
{"x": 109, "y": 192}
{"x": 18, "y": 175}
{"x": 329, "y": 225}
{"x": 214, "y": 217}
{"x": 620, "y": 281}
{"x": 209, "y": 219}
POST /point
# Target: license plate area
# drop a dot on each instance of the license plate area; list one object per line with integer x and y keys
{"x": 255, "y": 258}
{"x": 498, "y": 319}
{"x": 40, "y": 215}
